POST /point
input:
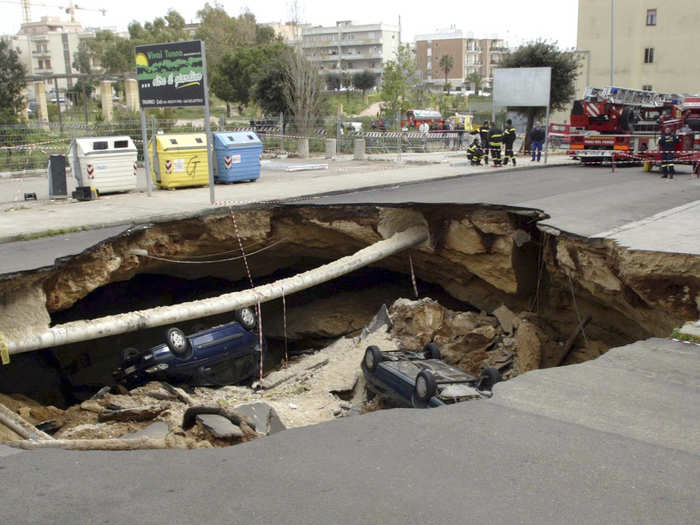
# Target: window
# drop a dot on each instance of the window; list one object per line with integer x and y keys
{"x": 430, "y": 52}
{"x": 649, "y": 55}
{"x": 198, "y": 140}
{"x": 173, "y": 141}
{"x": 646, "y": 87}
{"x": 121, "y": 144}
{"x": 651, "y": 17}
{"x": 103, "y": 144}
{"x": 47, "y": 64}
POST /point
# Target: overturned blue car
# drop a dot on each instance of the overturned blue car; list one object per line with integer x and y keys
{"x": 420, "y": 379}
{"x": 222, "y": 355}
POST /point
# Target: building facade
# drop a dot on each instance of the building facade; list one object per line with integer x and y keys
{"x": 350, "y": 47}
{"x": 470, "y": 55}
{"x": 48, "y": 47}
{"x": 654, "y": 44}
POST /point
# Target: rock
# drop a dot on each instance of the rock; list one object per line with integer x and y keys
{"x": 263, "y": 416}
{"x": 529, "y": 347}
{"x": 505, "y": 318}
{"x": 92, "y": 406}
{"x": 415, "y": 322}
{"x": 102, "y": 392}
{"x": 157, "y": 430}
{"x": 462, "y": 237}
{"x": 219, "y": 427}
{"x": 131, "y": 414}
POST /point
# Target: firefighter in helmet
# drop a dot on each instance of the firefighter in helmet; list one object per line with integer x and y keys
{"x": 474, "y": 152}
{"x": 495, "y": 142}
{"x": 484, "y": 134}
{"x": 667, "y": 144}
{"x": 508, "y": 139}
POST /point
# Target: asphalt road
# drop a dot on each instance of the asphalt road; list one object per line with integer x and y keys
{"x": 580, "y": 200}
{"x": 508, "y": 460}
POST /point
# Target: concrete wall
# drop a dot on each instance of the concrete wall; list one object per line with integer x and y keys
{"x": 675, "y": 39}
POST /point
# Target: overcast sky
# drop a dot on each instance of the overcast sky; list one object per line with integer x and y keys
{"x": 514, "y": 20}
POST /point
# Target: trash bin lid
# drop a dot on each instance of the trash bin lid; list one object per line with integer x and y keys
{"x": 174, "y": 141}
{"x": 232, "y": 139}
{"x": 96, "y": 145}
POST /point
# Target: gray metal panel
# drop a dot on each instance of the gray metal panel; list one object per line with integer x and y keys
{"x": 522, "y": 86}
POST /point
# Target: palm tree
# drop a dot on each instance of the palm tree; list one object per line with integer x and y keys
{"x": 446, "y": 63}
{"x": 475, "y": 78}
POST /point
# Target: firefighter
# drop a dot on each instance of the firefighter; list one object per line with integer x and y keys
{"x": 484, "y": 134}
{"x": 474, "y": 152}
{"x": 508, "y": 139}
{"x": 495, "y": 142}
{"x": 667, "y": 143}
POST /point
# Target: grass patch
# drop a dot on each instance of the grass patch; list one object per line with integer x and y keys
{"x": 677, "y": 334}
{"x": 50, "y": 233}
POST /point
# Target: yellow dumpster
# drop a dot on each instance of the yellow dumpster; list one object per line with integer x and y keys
{"x": 180, "y": 160}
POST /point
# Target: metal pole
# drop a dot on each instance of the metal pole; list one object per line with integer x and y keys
{"x": 612, "y": 42}
{"x": 281, "y": 132}
{"x": 146, "y": 160}
{"x": 58, "y": 105}
{"x": 154, "y": 144}
{"x": 398, "y": 136}
{"x": 85, "y": 102}
{"x": 207, "y": 126}
{"x": 546, "y": 135}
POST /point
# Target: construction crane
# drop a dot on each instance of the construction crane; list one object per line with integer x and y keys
{"x": 69, "y": 9}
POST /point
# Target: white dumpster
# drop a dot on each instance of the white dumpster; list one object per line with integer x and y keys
{"x": 107, "y": 164}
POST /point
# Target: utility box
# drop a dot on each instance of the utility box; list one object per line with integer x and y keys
{"x": 107, "y": 164}
{"x": 237, "y": 156}
{"x": 180, "y": 160}
{"x": 58, "y": 187}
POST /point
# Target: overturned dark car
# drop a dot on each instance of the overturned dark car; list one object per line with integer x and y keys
{"x": 419, "y": 379}
{"x": 222, "y": 355}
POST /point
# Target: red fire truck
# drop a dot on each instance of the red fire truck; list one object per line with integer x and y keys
{"x": 622, "y": 126}
{"x": 415, "y": 117}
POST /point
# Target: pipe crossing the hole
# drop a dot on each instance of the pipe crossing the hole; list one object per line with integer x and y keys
{"x": 77, "y": 331}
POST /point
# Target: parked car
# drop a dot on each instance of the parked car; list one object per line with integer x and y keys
{"x": 222, "y": 355}
{"x": 420, "y": 379}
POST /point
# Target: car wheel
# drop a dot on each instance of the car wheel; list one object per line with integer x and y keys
{"x": 177, "y": 342}
{"x": 432, "y": 351}
{"x": 425, "y": 387}
{"x": 129, "y": 354}
{"x": 489, "y": 377}
{"x": 246, "y": 317}
{"x": 373, "y": 356}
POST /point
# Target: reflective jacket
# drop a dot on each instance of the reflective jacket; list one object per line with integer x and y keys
{"x": 495, "y": 138}
{"x": 509, "y": 137}
{"x": 668, "y": 141}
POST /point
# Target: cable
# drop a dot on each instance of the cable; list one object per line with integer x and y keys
{"x": 578, "y": 315}
{"x": 155, "y": 257}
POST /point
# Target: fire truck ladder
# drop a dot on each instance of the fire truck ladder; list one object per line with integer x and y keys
{"x": 632, "y": 97}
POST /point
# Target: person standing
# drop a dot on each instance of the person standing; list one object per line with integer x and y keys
{"x": 484, "y": 135}
{"x": 509, "y": 136}
{"x": 536, "y": 141}
{"x": 667, "y": 144}
{"x": 495, "y": 142}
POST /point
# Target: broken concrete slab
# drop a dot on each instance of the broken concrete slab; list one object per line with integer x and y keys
{"x": 219, "y": 427}
{"x": 157, "y": 430}
{"x": 691, "y": 328}
{"x": 8, "y": 451}
{"x": 506, "y": 318}
{"x": 380, "y": 320}
{"x": 263, "y": 416}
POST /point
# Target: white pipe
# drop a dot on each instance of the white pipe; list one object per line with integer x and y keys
{"x": 165, "y": 315}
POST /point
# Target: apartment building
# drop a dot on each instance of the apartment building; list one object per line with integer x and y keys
{"x": 469, "y": 54}
{"x": 654, "y": 43}
{"x": 350, "y": 47}
{"x": 47, "y": 47}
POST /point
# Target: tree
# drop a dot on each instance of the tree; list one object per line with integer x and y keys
{"x": 399, "y": 76}
{"x": 332, "y": 81}
{"x": 564, "y": 66}
{"x": 234, "y": 77}
{"x": 170, "y": 28}
{"x": 269, "y": 90}
{"x": 303, "y": 92}
{"x": 446, "y": 64}
{"x": 364, "y": 81}
{"x": 475, "y": 79}
{"x": 11, "y": 84}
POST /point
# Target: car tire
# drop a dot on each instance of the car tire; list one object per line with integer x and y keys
{"x": 246, "y": 318}
{"x": 129, "y": 354}
{"x": 425, "y": 387}
{"x": 177, "y": 342}
{"x": 432, "y": 351}
{"x": 373, "y": 356}
{"x": 488, "y": 378}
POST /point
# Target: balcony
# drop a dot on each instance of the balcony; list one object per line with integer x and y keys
{"x": 40, "y": 53}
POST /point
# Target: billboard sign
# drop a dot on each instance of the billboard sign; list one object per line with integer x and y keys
{"x": 171, "y": 74}
{"x": 522, "y": 86}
